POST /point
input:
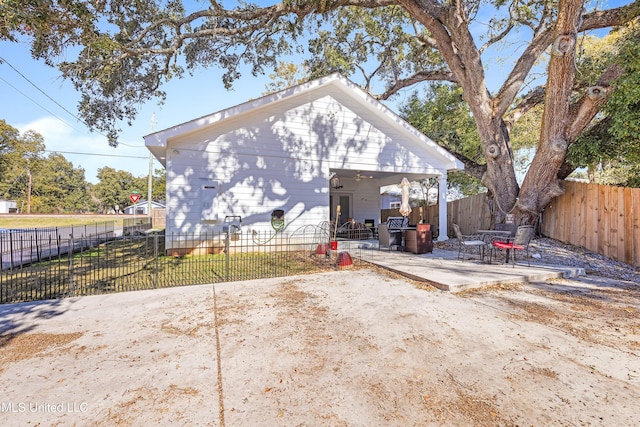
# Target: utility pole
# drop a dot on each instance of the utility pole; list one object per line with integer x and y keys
{"x": 150, "y": 182}
{"x": 29, "y": 191}
{"x": 150, "y": 185}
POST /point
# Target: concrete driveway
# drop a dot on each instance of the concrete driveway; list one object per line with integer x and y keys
{"x": 345, "y": 348}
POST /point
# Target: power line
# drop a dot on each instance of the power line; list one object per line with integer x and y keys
{"x": 54, "y": 101}
{"x": 41, "y": 91}
{"x": 44, "y": 108}
{"x": 131, "y": 145}
{"x": 95, "y": 154}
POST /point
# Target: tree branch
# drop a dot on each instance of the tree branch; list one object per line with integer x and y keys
{"x": 253, "y": 19}
{"x": 427, "y": 41}
{"x": 471, "y": 167}
{"x": 565, "y": 170}
{"x": 504, "y": 33}
{"x": 610, "y": 18}
{"x": 512, "y": 85}
{"x": 532, "y": 99}
{"x": 583, "y": 113}
{"x": 601, "y": 19}
{"x": 421, "y": 76}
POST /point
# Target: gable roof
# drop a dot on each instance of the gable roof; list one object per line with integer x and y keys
{"x": 335, "y": 85}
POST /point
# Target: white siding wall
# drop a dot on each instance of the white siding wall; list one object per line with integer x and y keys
{"x": 280, "y": 160}
{"x": 7, "y": 205}
{"x": 263, "y": 163}
{"x": 374, "y": 145}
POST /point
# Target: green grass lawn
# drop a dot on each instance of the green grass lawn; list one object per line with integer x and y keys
{"x": 37, "y": 221}
{"x": 130, "y": 264}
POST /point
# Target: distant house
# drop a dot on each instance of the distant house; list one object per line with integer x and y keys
{"x": 142, "y": 207}
{"x": 8, "y": 206}
{"x": 391, "y": 198}
{"x": 297, "y": 154}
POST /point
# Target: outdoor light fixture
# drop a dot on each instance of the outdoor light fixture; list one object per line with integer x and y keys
{"x": 335, "y": 182}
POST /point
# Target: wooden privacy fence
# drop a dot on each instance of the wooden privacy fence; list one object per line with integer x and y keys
{"x": 471, "y": 214}
{"x": 600, "y": 218}
{"x": 159, "y": 218}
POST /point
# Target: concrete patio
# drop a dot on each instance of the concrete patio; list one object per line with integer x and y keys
{"x": 442, "y": 269}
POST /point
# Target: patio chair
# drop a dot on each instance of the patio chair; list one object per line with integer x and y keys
{"x": 464, "y": 242}
{"x": 508, "y": 227}
{"x": 520, "y": 242}
{"x": 387, "y": 237}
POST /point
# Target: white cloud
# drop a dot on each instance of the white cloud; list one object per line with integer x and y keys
{"x": 90, "y": 151}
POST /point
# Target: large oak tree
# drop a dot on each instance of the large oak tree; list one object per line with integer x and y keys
{"x": 128, "y": 49}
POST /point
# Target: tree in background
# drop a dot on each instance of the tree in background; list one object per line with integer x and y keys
{"x": 112, "y": 192}
{"x": 20, "y": 156}
{"x": 610, "y": 148}
{"x": 126, "y": 53}
{"x": 159, "y": 188}
{"x": 444, "y": 117}
{"x": 285, "y": 75}
{"x": 52, "y": 184}
{"x": 59, "y": 187}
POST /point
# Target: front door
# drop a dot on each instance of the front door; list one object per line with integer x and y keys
{"x": 344, "y": 200}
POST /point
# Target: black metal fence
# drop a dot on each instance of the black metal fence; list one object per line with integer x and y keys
{"x": 98, "y": 264}
{"x": 24, "y": 246}
{"x": 135, "y": 225}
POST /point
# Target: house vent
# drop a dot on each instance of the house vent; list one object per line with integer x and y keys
{"x": 209, "y": 200}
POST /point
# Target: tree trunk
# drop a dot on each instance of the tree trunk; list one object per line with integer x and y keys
{"x": 541, "y": 183}
{"x": 449, "y": 27}
{"x": 500, "y": 177}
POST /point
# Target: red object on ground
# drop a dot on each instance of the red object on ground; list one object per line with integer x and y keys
{"x": 344, "y": 260}
{"x": 322, "y": 249}
{"x": 505, "y": 245}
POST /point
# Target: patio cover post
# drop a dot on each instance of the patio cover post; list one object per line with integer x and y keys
{"x": 442, "y": 207}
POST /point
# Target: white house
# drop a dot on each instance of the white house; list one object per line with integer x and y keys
{"x": 280, "y": 151}
{"x": 391, "y": 198}
{"x": 8, "y": 206}
{"x": 141, "y": 207}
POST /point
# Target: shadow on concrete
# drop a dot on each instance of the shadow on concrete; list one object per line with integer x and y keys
{"x": 21, "y": 318}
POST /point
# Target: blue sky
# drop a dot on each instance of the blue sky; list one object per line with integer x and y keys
{"x": 25, "y": 107}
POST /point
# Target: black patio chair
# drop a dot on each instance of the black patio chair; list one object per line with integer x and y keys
{"x": 465, "y": 242}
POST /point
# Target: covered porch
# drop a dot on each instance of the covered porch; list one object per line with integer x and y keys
{"x": 357, "y": 192}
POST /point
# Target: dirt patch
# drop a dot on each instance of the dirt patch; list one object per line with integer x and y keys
{"x": 361, "y": 348}
{"x": 607, "y": 314}
{"x": 17, "y": 347}
{"x": 139, "y": 400}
